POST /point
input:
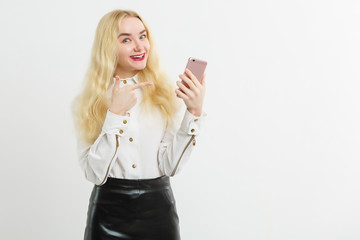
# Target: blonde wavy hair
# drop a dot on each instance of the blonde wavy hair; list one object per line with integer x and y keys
{"x": 90, "y": 106}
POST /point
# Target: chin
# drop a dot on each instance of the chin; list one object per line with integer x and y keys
{"x": 140, "y": 66}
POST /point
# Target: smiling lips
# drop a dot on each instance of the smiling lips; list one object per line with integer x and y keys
{"x": 139, "y": 57}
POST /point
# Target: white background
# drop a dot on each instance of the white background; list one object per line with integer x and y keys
{"x": 278, "y": 157}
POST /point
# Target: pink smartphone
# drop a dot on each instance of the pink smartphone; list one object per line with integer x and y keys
{"x": 197, "y": 67}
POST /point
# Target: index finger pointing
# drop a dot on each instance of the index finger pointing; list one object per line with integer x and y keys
{"x": 141, "y": 85}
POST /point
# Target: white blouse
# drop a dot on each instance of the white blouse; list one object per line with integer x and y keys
{"x": 138, "y": 145}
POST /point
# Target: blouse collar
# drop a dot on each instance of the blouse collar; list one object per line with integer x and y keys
{"x": 133, "y": 78}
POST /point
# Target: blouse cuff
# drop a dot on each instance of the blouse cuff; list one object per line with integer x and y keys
{"x": 115, "y": 124}
{"x": 191, "y": 124}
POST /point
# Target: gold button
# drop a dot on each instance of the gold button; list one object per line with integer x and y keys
{"x": 192, "y": 130}
{"x": 121, "y": 131}
{"x": 194, "y": 143}
{"x": 196, "y": 120}
{"x": 131, "y": 139}
{"x": 128, "y": 114}
{"x": 125, "y": 82}
{"x": 124, "y": 121}
{"x": 134, "y": 165}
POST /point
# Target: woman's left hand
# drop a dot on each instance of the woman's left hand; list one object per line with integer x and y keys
{"x": 193, "y": 95}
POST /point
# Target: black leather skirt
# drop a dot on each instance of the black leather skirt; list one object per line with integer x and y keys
{"x": 132, "y": 209}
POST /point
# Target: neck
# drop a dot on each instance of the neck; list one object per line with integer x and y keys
{"x": 123, "y": 74}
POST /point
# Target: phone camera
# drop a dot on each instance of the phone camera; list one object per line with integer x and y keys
{"x": 193, "y": 60}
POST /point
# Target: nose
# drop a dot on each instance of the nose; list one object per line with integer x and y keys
{"x": 138, "y": 46}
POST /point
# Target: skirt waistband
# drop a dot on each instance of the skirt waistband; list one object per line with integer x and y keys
{"x": 159, "y": 182}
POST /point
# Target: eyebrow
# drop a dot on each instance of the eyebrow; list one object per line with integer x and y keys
{"x": 128, "y": 34}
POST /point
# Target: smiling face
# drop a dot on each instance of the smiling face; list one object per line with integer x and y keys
{"x": 133, "y": 47}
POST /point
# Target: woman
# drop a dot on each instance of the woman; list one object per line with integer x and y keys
{"x": 130, "y": 140}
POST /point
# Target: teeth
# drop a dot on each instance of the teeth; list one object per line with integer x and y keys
{"x": 140, "y": 56}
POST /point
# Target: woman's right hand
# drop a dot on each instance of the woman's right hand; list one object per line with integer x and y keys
{"x": 123, "y": 99}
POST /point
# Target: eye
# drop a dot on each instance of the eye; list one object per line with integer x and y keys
{"x": 143, "y": 36}
{"x": 126, "y": 40}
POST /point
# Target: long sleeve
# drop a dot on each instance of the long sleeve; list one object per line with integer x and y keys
{"x": 98, "y": 159}
{"x": 177, "y": 144}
